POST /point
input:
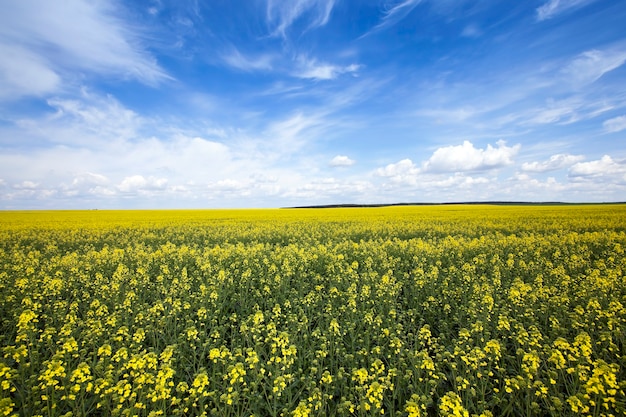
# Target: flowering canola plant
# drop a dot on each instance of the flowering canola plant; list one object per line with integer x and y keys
{"x": 403, "y": 311}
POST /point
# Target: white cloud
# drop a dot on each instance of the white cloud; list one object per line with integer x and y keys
{"x": 229, "y": 184}
{"x": 282, "y": 14}
{"x": 458, "y": 180}
{"x": 616, "y": 124}
{"x": 104, "y": 117}
{"x": 555, "y": 162}
{"x": 407, "y": 182}
{"x": 434, "y": 176}
{"x": 567, "y": 111}
{"x": 90, "y": 178}
{"x": 466, "y": 157}
{"x": 88, "y": 183}
{"x": 138, "y": 183}
{"x": 450, "y": 114}
{"x": 400, "y": 170}
{"x": 312, "y": 69}
{"x": 553, "y": 8}
{"x": 246, "y": 63}
{"x": 284, "y": 138}
{"x": 591, "y": 65}
{"x": 394, "y": 14}
{"x": 599, "y": 180}
{"x": 26, "y": 185}
{"x": 328, "y": 190}
{"x": 341, "y": 161}
{"x": 42, "y": 44}
{"x": 24, "y": 73}
{"x": 563, "y": 111}
{"x": 534, "y": 189}
{"x": 605, "y": 167}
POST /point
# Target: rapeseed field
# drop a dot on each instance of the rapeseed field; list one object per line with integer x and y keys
{"x": 399, "y": 311}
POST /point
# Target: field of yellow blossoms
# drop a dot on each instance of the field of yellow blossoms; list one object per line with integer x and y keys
{"x": 399, "y": 311}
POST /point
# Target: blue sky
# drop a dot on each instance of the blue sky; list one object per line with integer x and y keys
{"x": 270, "y": 103}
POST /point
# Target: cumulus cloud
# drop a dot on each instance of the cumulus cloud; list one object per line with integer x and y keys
{"x": 228, "y": 184}
{"x": 466, "y": 157}
{"x": 399, "y": 170}
{"x": 26, "y": 185}
{"x": 341, "y": 161}
{"x": 534, "y": 189}
{"x": 555, "y": 162}
{"x": 604, "y": 167}
{"x": 88, "y": 183}
{"x": 138, "y": 183}
{"x": 90, "y": 178}
{"x": 616, "y": 124}
{"x": 458, "y": 160}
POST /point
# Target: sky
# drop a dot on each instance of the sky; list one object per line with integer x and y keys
{"x": 114, "y": 104}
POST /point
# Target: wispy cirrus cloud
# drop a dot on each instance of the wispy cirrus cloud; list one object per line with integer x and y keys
{"x": 591, "y": 65}
{"x": 234, "y": 58}
{"x": 287, "y": 136}
{"x": 281, "y": 15}
{"x": 99, "y": 119}
{"x": 393, "y": 14}
{"x": 315, "y": 70}
{"x": 37, "y": 36}
{"x": 553, "y": 8}
{"x": 24, "y": 73}
{"x": 616, "y": 124}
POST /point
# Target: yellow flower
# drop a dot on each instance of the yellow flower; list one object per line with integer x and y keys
{"x": 251, "y": 358}
{"x": 302, "y": 410}
{"x": 139, "y": 335}
{"x": 236, "y": 373}
{"x": 279, "y": 385}
{"x": 53, "y": 373}
{"x": 451, "y": 405}
{"x": 360, "y": 375}
{"x": 575, "y": 404}
{"x": 327, "y": 378}
{"x": 166, "y": 355}
{"x": 493, "y": 347}
{"x": 413, "y": 408}
{"x": 81, "y": 374}
{"x": 70, "y": 345}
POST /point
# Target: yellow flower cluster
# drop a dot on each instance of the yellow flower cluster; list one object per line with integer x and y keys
{"x": 461, "y": 311}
